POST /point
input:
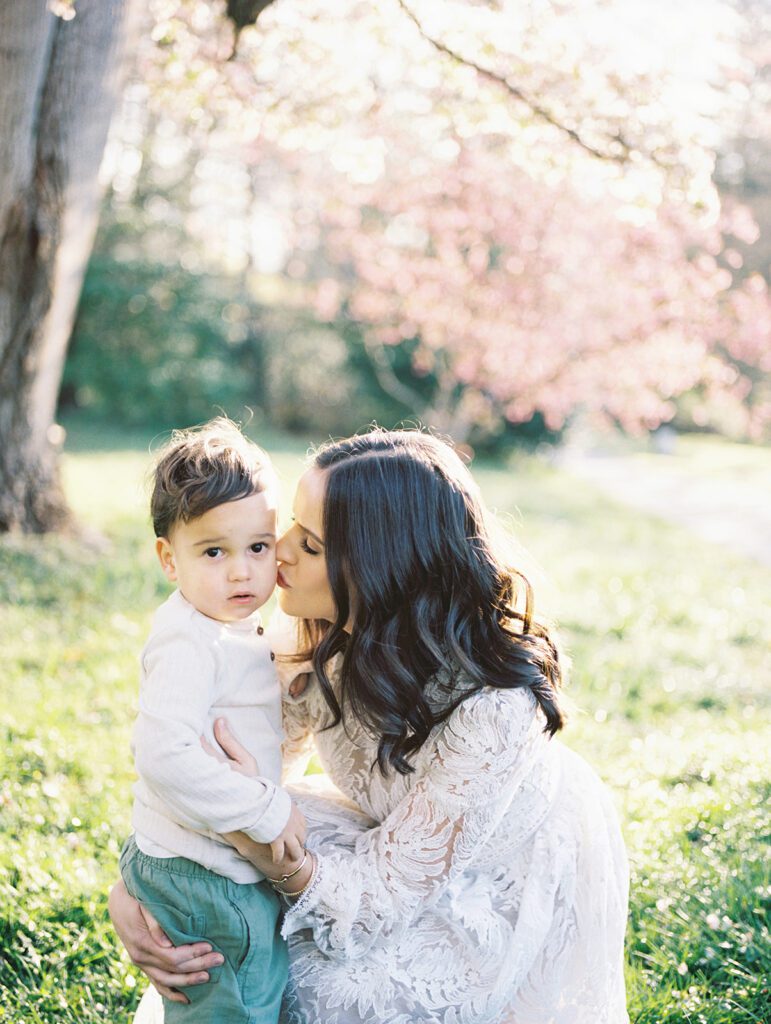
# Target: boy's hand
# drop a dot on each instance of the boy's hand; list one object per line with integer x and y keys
{"x": 289, "y": 846}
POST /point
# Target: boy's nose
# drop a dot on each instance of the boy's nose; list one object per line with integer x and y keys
{"x": 239, "y": 569}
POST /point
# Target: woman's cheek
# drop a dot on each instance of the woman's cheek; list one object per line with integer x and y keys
{"x": 321, "y": 594}
{"x": 313, "y": 600}
{"x": 285, "y": 602}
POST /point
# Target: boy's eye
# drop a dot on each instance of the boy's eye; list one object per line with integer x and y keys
{"x": 306, "y": 547}
{"x": 212, "y": 552}
{"x": 259, "y": 547}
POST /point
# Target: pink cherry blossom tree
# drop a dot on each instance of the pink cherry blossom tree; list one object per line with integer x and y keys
{"x": 520, "y": 200}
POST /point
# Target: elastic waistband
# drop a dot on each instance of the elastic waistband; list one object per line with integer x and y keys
{"x": 171, "y": 865}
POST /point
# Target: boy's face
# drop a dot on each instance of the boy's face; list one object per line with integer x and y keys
{"x": 224, "y": 562}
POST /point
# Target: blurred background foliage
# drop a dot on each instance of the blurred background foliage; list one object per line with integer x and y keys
{"x": 156, "y": 344}
{"x": 326, "y": 242}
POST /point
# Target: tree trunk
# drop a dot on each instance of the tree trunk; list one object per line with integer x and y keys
{"x": 59, "y": 89}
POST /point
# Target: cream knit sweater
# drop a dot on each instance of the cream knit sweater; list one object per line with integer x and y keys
{"x": 194, "y": 670}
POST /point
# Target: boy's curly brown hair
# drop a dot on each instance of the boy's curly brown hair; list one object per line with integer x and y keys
{"x": 203, "y": 467}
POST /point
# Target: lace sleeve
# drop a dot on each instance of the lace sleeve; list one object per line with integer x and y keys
{"x": 481, "y": 756}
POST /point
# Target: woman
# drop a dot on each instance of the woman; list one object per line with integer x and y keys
{"x": 475, "y": 873}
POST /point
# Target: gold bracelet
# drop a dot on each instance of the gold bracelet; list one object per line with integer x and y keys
{"x": 285, "y": 878}
{"x": 308, "y": 884}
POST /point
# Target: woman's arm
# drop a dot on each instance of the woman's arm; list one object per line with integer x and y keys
{"x": 360, "y": 899}
{"x": 166, "y": 966}
{"x": 300, "y": 869}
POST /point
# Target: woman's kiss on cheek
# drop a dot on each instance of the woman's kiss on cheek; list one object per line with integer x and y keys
{"x": 304, "y": 589}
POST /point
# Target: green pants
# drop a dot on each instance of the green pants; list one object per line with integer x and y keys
{"x": 242, "y": 922}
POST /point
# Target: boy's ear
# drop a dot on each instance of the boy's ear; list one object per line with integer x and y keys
{"x": 165, "y": 553}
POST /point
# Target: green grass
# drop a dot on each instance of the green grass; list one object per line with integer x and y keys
{"x": 669, "y": 639}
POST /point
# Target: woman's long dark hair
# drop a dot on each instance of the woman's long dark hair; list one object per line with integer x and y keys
{"x": 412, "y": 566}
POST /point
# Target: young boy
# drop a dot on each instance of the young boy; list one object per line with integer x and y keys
{"x": 214, "y": 514}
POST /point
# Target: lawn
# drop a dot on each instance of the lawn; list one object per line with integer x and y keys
{"x": 669, "y": 639}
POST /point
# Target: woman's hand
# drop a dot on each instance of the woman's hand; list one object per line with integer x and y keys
{"x": 289, "y": 845}
{"x": 298, "y": 685}
{"x": 236, "y": 755}
{"x": 166, "y": 966}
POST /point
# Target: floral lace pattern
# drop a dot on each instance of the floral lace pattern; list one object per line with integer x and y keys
{"x": 487, "y": 887}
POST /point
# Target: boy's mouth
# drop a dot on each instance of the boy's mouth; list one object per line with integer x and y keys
{"x": 242, "y": 598}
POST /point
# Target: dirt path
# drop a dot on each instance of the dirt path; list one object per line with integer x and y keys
{"x": 726, "y": 501}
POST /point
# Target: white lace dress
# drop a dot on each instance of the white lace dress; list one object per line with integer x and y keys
{"x": 487, "y": 887}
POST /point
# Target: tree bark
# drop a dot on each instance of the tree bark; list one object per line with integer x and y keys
{"x": 60, "y": 80}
